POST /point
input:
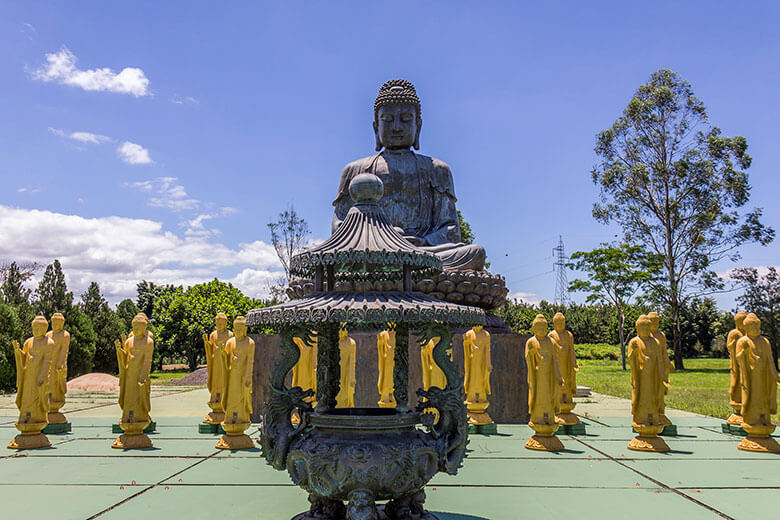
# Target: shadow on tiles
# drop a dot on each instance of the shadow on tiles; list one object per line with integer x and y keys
{"x": 457, "y": 516}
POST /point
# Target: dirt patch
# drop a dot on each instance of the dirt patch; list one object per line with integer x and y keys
{"x": 95, "y": 382}
{"x": 196, "y": 378}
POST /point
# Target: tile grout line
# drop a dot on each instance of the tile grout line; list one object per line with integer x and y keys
{"x": 99, "y": 513}
{"x": 658, "y": 482}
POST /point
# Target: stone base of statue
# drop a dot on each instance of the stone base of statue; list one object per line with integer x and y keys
{"x": 735, "y": 419}
{"x": 57, "y": 428}
{"x": 390, "y": 511}
{"x": 664, "y": 420}
{"x": 567, "y": 419}
{"x": 57, "y": 418}
{"x": 544, "y": 439}
{"x": 667, "y": 431}
{"x": 214, "y": 417}
{"x": 758, "y": 438}
{"x": 151, "y": 428}
{"x": 477, "y": 414}
{"x": 571, "y": 429}
{"x": 235, "y": 438}
{"x": 133, "y": 437}
{"x": 211, "y": 429}
{"x": 30, "y": 437}
{"x": 648, "y": 439}
{"x": 733, "y": 429}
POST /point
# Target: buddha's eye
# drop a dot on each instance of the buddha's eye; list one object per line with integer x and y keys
{"x": 407, "y": 118}
{"x": 387, "y": 118}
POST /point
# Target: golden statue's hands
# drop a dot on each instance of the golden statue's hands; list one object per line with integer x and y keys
{"x": 205, "y": 339}
{"x": 16, "y": 345}
{"x": 141, "y": 382}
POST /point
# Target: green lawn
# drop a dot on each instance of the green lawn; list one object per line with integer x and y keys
{"x": 163, "y": 377}
{"x": 703, "y": 387}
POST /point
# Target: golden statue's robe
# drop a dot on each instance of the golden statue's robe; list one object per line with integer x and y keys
{"x": 305, "y": 370}
{"x": 544, "y": 378}
{"x": 33, "y": 363}
{"x": 385, "y": 342}
{"x": 135, "y": 388}
{"x": 238, "y": 359}
{"x": 347, "y": 351}
{"x": 647, "y": 377}
{"x": 759, "y": 379}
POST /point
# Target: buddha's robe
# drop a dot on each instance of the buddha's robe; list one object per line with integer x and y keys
{"x": 432, "y": 374}
{"x": 33, "y": 363}
{"x": 135, "y": 387}
{"x": 347, "y": 360}
{"x": 238, "y": 358}
{"x": 385, "y": 342}
{"x": 58, "y": 374}
{"x": 544, "y": 376}
{"x": 419, "y": 198}
{"x": 476, "y": 355}
{"x": 647, "y": 376}
{"x": 735, "y": 383}
{"x": 305, "y": 370}
{"x": 567, "y": 362}
{"x": 759, "y": 380}
{"x": 216, "y": 370}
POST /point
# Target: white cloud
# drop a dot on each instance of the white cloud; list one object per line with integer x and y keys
{"x": 61, "y": 67}
{"x": 81, "y": 137}
{"x": 184, "y": 100}
{"x": 118, "y": 252}
{"x": 165, "y": 193}
{"x": 132, "y": 153}
{"x": 526, "y": 297}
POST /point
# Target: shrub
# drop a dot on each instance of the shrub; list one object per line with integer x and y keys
{"x": 597, "y": 351}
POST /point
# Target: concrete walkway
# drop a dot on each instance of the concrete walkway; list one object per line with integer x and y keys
{"x": 184, "y": 476}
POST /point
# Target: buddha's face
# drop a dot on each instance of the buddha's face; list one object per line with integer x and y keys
{"x": 342, "y": 333}
{"x": 39, "y": 326}
{"x": 539, "y": 327}
{"x": 396, "y": 126}
{"x": 477, "y": 328}
{"x": 739, "y": 319}
{"x": 57, "y": 322}
{"x": 655, "y": 321}
{"x": 139, "y": 328}
{"x": 239, "y": 328}
{"x": 221, "y": 322}
{"x": 643, "y": 327}
{"x": 752, "y": 325}
{"x": 559, "y": 322}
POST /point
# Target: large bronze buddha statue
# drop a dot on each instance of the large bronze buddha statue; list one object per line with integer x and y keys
{"x": 419, "y": 195}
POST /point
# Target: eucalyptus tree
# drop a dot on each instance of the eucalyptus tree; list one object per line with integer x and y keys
{"x": 678, "y": 188}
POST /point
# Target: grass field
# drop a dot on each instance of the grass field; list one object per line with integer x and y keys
{"x": 703, "y": 387}
{"x": 163, "y": 377}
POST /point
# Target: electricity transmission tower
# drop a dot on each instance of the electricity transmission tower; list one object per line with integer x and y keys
{"x": 561, "y": 282}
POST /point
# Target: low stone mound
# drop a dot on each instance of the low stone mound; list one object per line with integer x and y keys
{"x": 197, "y": 378}
{"x": 95, "y": 382}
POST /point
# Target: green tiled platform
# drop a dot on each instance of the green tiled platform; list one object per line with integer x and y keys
{"x": 184, "y": 476}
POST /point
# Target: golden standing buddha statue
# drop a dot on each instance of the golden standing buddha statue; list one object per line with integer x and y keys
{"x": 347, "y": 352}
{"x": 735, "y": 383}
{"x": 238, "y": 358}
{"x": 58, "y": 375}
{"x": 476, "y": 383}
{"x": 567, "y": 362}
{"x": 663, "y": 350}
{"x": 385, "y": 342}
{"x": 134, "y": 357}
{"x": 758, "y": 375}
{"x": 214, "y": 345}
{"x": 431, "y": 373}
{"x": 33, "y": 363}
{"x": 544, "y": 387}
{"x": 647, "y": 379}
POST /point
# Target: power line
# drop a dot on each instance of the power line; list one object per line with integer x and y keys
{"x": 559, "y": 265}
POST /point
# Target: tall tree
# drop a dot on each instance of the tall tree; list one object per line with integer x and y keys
{"x": 126, "y": 311}
{"x": 616, "y": 273}
{"x": 762, "y": 296}
{"x": 288, "y": 236}
{"x": 52, "y": 293}
{"x": 14, "y": 277}
{"x": 107, "y": 326}
{"x": 676, "y": 186}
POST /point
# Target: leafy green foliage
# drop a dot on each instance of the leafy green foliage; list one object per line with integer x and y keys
{"x": 126, "y": 311}
{"x": 83, "y": 339}
{"x": 597, "y": 351}
{"x": 13, "y": 289}
{"x": 466, "y": 235}
{"x": 10, "y": 330}
{"x": 762, "y": 296}
{"x": 52, "y": 293}
{"x": 616, "y": 273}
{"x": 676, "y": 186}
{"x": 108, "y": 327}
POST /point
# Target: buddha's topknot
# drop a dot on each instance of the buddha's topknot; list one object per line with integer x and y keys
{"x": 397, "y": 91}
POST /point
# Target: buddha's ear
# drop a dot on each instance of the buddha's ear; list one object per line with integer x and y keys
{"x": 417, "y": 135}
{"x": 376, "y": 136}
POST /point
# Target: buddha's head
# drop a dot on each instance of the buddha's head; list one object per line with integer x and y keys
{"x": 559, "y": 322}
{"x": 343, "y": 331}
{"x": 221, "y": 321}
{"x": 539, "y": 326}
{"x": 477, "y": 328}
{"x": 239, "y": 327}
{"x": 752, "y": 325}
{"x": 397, "y": 116}
{"x": 39, "y": 327}
{"x": 643, "y": 326}
{"x": 139, "y": 323}
{"x": 57, "y": 321}
{"x": 739, "y": 319}
{"x": 655, "y": 321}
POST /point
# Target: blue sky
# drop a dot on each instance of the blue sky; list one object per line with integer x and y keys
{"x": 214, "y": 118}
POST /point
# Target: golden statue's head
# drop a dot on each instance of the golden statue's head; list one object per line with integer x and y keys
{"x": 139, "y": 323}
{"x": 39, "y": 326}
{"x": 221, "y": 321}
{"x": 739, "y": 319}
{"x": 539, "y": 326}
{"x": 559, "y": 322}
{"x": 655, "y": 321}
{"x": 752, "y": 325}
{"x": 239, "y": 327}
{"x": 643, "y": 326}
{"x": 57, "y": 321}
{"x": 343, "y": 332}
